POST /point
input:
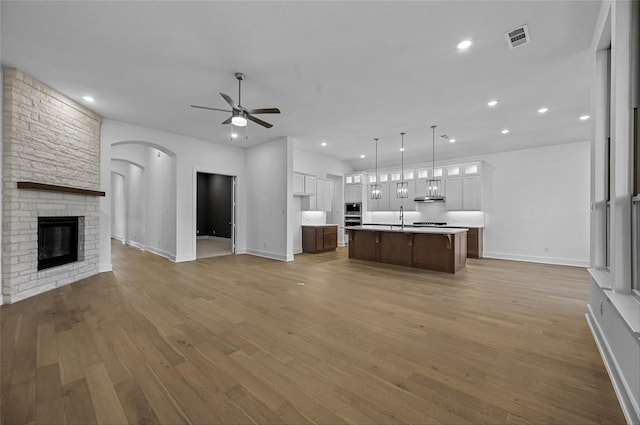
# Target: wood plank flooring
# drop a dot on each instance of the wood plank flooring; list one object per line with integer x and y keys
{"x": 323, "y": 340}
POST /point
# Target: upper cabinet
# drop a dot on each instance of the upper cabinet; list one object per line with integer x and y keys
{"x": 353, "y": 188}
{"x": 462, "y": 187}
{"x": 304, "y": 185}
{"x": 323, "y": 195}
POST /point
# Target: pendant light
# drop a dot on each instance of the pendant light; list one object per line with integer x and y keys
{"x": 402, "y": 188}
{"x": 434, "y": 185}
{"x": 376, "y": 193}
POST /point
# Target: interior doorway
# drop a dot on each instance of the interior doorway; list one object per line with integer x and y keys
{"x": 215, "y": 215}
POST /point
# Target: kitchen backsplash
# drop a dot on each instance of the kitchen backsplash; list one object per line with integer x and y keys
{"x": 313, "y": 217}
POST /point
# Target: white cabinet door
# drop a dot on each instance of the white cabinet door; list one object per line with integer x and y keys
{"x": 353, "y": 193}
{"x": 471, "y": 193}
{"x": 298, "y": 183}
{"x": 323, "y": 195}
{"x": 310, "y": 185}
{"x": 453, "y": 193}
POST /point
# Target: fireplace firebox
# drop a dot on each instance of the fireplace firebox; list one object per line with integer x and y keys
{"x": 57, "y": 241}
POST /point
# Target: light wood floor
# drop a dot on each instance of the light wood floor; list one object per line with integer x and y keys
{"x": 212, "y": 247}
{"x": 239, "y": 339}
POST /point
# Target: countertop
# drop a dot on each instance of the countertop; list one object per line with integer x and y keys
{"x": 318, "y": 225}
{"x": 448, "y": 226}
{"x": 439, "y": 230}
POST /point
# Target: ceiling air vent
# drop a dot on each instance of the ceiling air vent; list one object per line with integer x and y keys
{"x": 518, "y": 36}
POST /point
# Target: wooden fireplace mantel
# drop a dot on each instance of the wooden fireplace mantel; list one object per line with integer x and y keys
{"x": 60, "y": 189}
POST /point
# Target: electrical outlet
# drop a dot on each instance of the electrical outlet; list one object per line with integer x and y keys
{"x": 546, "y": 249}
{"x": 264, "y": 244}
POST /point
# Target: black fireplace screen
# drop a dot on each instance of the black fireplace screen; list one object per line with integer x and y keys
{"x": 57, "y": 241}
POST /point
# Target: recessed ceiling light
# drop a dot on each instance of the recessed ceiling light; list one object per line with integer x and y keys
{"x": 361, "y": 156}
{"x": 323, "y": 144}
{"x": 585, "y": 117}
{"x": 542, "y": 110}
{"x": 492, "y": 102}
{"x": 234, "y": 135}
{"x": 452, "y": 140}
{"x": 463, "y": 45}
{"x": 88, "y": 98}
{"x": 505, "y": 131}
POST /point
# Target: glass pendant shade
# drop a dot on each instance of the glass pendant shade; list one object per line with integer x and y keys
{"x": 402, "y": 190}
{"x": 376, "y": 193}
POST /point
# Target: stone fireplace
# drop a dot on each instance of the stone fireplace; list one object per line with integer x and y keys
{"x": 51, "y": 174}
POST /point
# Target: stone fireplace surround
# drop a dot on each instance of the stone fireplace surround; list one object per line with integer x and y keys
{"x": 48, "y": 139}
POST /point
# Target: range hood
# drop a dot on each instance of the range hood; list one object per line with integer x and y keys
{"x": 428, "y": 198}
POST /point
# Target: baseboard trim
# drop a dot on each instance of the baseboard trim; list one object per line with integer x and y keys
{"x": 534, "y": 259}
{"x": 134, "y": 244}
{"x": 626, "y": 404}
{"x": 161, "y": 253}
{"x": 105, "y": 267}
{"x": 270, "y": 255}
{"x": 183, "y": 258}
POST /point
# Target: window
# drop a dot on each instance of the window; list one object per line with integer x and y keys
{"x": 423, "y": 174}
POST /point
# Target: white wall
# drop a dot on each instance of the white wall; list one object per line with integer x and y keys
{"x": 537, "y": 198}
{"x": 192, "y": 155}
{"x": 270, "y": 197}
{"x": 160, "y": 218}
{"x": 117, "y": 207}
{"x": 318, "y": 165}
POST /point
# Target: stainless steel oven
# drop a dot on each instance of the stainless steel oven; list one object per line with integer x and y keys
{"x": 352, "y": 214}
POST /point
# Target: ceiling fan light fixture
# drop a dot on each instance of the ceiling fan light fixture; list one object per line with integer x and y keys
{"x": 239, "y": 121}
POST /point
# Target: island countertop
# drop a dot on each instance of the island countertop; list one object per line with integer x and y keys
{"x": 409, "y": 229}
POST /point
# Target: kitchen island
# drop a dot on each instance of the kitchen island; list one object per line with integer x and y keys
{"x": 439, "y": 249}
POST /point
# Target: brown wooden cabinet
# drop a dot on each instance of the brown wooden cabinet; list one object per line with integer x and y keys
{"x": 319, "y": 238}
{"x": 474, "y": 242}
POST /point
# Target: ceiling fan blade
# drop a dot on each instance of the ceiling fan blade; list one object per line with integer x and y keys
{"x": 259, "y": 121}
{"x": 229, "y": 101}
{"x": 264, "y": 111}
{"x": 227, "y": 121}
{"x": 207, "y": 107}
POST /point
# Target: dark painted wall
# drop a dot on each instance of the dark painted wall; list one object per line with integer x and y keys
{"x": 213, "y": 205}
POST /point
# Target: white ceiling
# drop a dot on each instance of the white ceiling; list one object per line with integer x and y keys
{"x": 340, "y": 72}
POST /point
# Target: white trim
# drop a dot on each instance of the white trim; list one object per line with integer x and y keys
{"x": 534, "y": 259}
{"x": 105, "y": 267}
{"x": 161, "y": 253}
{"x": 184, "y": 258}
{"x": 270, "y": 255}
{"x": 135, "y": 244}
{"x": 617, "y": 380}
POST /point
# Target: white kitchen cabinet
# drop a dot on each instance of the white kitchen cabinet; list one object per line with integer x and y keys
{"x": 453, "y": 193}
{"x": 471, "y": 193}
{"x": 310, "y": 185}
{"x": 298, "y": 184}
{"x": 303, "y": 184}
{"x": 323, "y": 195}
{"x": 353, "y": 193}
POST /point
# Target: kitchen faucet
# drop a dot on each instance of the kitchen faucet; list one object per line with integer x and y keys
{"x": 402, "y": 216}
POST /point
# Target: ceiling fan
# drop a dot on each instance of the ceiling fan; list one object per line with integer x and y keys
{"x": 240, "y": 114}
